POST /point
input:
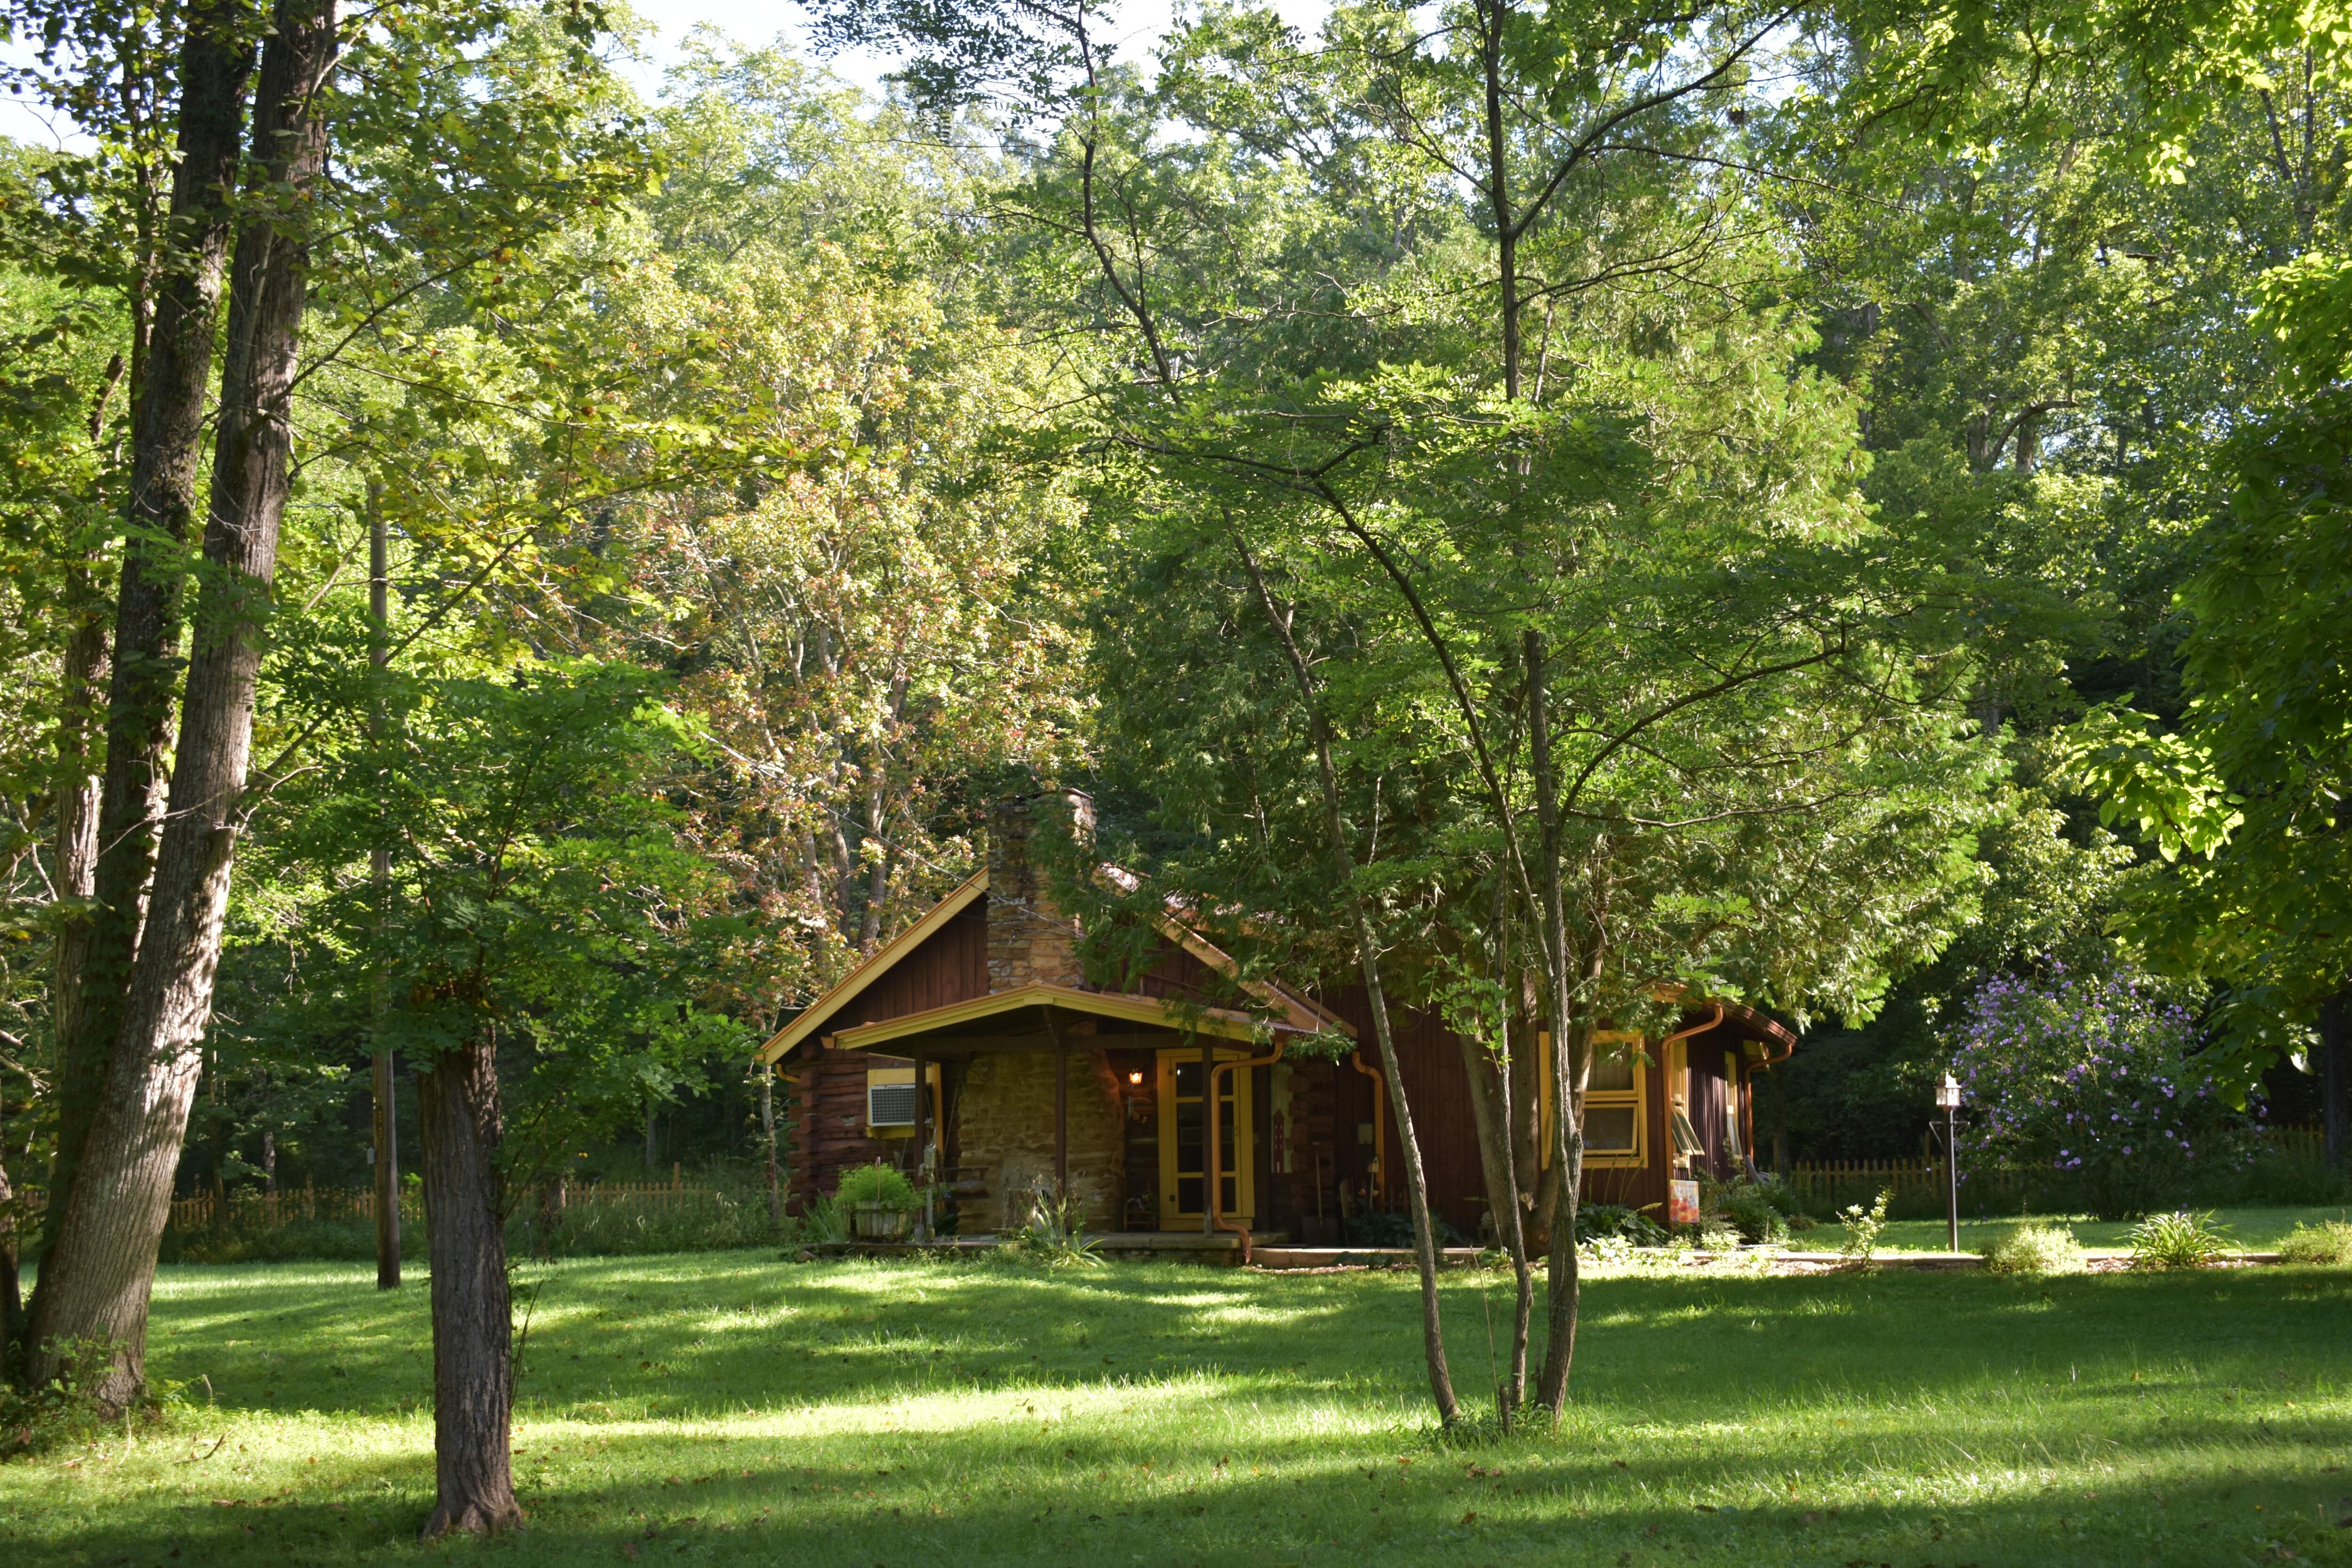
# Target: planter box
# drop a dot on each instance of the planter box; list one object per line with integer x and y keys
{"x": 880, "y": 1222}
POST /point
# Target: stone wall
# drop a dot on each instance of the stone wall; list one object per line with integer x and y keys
{"x": 1004, "y": 1133}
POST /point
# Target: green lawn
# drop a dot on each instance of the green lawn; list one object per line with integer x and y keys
{"x": 730, "y": 1407}
{"x": 2256, "y": 1230}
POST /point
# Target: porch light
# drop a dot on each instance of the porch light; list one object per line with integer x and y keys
{"x": 1135, "y": 1077}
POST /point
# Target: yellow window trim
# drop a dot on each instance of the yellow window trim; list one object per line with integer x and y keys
{"x": 1637, "y": 1097}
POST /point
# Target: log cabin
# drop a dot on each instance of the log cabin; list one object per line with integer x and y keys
{"x": 974, "y": 1052}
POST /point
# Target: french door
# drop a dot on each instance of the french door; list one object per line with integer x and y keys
{"x": 1183, "y": 1142}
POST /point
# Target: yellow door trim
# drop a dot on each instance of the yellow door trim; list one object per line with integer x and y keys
{"x": 1240, "y": 1155}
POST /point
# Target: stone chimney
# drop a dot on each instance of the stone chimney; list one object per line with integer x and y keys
{"x": 1029, "y": 938}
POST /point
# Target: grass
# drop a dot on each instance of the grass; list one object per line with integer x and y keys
{"x": 2251, "y": 1229}
{"x": 731, "y": 1407}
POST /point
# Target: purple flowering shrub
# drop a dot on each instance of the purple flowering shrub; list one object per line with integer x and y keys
{"x": 2093, "y": 1079}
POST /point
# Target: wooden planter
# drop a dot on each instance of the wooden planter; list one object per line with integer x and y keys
{"x": 880, "y": 1222}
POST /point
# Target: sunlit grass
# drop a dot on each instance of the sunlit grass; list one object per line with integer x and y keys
{"x": 732, "y": 1407}
{"x": 2253, "y": 1229}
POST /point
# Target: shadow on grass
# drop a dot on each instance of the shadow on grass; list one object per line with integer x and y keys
{"x": 747, "y": 1410}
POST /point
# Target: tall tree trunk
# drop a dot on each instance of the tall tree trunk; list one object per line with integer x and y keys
{"x": 96, "y": 1278}
{"x": 12, "y": 1298}
{"x": 169, "y": 398}
{"x": 768, "y": 1135}
{"x": 74, "y": 855}
{"x": 1566, "y": 1060}
{"x": 1368, "y": 951}
{"x": 386, "y": 1168}
{"x": 459, "y": 1125}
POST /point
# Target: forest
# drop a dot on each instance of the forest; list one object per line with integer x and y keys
{"x": 513, "y": 585}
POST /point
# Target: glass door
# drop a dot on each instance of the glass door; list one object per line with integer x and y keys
{"x": 1184, "y": 1143}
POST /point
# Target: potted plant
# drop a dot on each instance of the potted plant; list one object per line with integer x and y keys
{"x": 880, "y": 1203}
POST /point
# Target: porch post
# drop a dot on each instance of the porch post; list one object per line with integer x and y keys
{"x": 1061, "y": 1121}
{"x": 1211, "y": 1155}
{"x": 922, "y": 1135}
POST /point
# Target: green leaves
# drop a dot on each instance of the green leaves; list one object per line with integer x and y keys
{"x": 2163, "y": 781}
{"x": 2307, "y": 309}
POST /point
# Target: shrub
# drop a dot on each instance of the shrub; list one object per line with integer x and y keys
{"x": 2092, "y": 1079}
{"x": 2035, "y": 1250}
{"x": 1863, "y": 1226}
{"x": 1756, "y": 1219}
{"x": 1610, "y": 1250}
{"x": 823, "y": 1224}
{"x": 1055, "y": 1233}
{"x": 2327, "y": 1244}
{"x": 876, "y": 1184}
{"x": 1594, "y": 1221}
{"x": 2182, "y": 1240}
{"x": 1715, "y": 1236}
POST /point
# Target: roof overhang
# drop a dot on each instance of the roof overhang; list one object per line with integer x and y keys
{"x": 1043, "y": 1011}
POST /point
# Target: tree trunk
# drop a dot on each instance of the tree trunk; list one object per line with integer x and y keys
{"x": 1490, "y": 1109}
{"x": 1566, "y": 1058}
{"x": 169, "y": 405}
{"x": 74, "y": 857}
{"x": 12, "y": 1298}
{"x": 381, "y": 1080}
{"x": 768, "y": 1135}
{"x": 96, "y": 1278}
{"x": 459, "y": 1125}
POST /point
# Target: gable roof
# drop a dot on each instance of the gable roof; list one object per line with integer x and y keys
{"x": 879, "y": 963}
{"x": 1293, "y": 1012}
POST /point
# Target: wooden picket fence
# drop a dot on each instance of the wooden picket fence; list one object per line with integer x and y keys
{"x": 250, "y": 1210}
{"x": 1833, "y": 1182}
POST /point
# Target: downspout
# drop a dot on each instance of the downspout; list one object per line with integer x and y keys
{"x": 1379, "y": 1125}
{"x": 1212, "y": 1168}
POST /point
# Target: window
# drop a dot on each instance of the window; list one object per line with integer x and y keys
{"x": 1616, "y": 1101}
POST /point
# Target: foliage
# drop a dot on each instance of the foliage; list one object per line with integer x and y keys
{"x": 2035, "y": 1250}
{"x": 876, "y": 1184}
{"x": 2177, "y": 1240}
{"x": 1054, "y": 1233}
{"x": 1755, "y": 1217}
{"x": 824, "y": 1224}
{"x": 1594, "y": 1221}
{"x": 2096, "y": 1078}
{"x": 2327, "y": 1245}
{"x": 1863, "y": 1227}
{"x": 72, "y": 1410}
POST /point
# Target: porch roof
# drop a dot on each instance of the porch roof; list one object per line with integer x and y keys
{"x": 1039, "y": 1016}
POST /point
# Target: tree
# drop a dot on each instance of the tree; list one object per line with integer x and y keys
{"x": 96, "y": 1273}
{"x": 546, "y": 936}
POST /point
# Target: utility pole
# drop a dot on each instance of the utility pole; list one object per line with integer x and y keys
{"x": 386, "y": 1152}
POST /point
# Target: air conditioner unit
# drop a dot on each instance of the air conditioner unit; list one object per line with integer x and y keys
{"x": 891, "y": 1104}
{"x": 890, "y": 1097}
